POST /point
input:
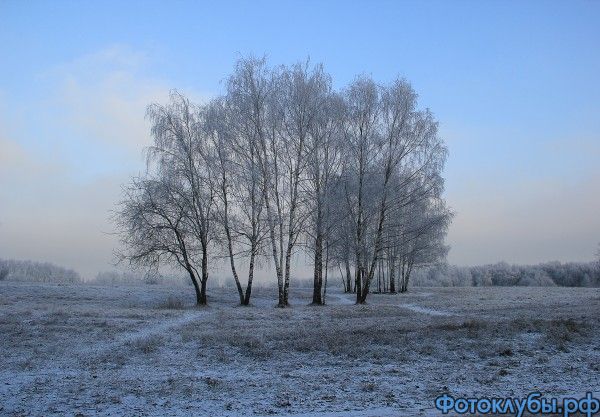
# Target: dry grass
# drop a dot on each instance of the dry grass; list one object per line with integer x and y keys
{"x": 144, "y": 344}
{"x": 172, "y": 303}
{"x": 147, "y": 344}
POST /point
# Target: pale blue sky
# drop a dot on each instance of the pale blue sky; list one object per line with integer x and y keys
{"x": 514, "y": 85}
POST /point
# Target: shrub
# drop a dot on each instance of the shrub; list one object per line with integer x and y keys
{"x": 172, "y": 303}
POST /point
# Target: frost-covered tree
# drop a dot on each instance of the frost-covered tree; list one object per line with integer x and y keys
{"x": 420, "y": 242}
{"x": 239, "y": 189}
{"x": 322, "y": 180}
{"x": 30, "y": 271}
{"x": 389, "y": 146}
{"x": 503, "y": 274}
{"x": 282, "y": 111}
{"x": 254, "y": 93}
{"x": 155, "y": 230}
{"x": 281, "y": 162}
{"x": 168, "y": 215}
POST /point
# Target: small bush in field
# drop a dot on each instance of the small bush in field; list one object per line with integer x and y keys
{"x": 172, "y": 303}
{"x": 147, "y": 344}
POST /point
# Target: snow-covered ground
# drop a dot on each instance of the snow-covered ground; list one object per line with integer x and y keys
{"x": 88, "y": 350}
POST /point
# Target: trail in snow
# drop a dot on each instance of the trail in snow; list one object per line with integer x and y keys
{"x": 425, "y": 310}
{"x": 342, "y": 299}
{"x": 348, "y": 299}
{"x": 101, "y": 348}
{"x": 156, "y": 329}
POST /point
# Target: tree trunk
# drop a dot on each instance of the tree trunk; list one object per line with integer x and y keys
{"x": 378, "y": 278}
{"x": 366, "y": 286}
{"x": 286, "y": 283}
{"x": 318, "y": 270}
{"x": 393, "y": 277}
{"x": 196, "y": 285}
{"x": 202, "y": 298}
{"x": 367, "y": 280}
{"x": 250, "y": 279}
{"x": 402, "y": 274}
{"x": 378, "y": 239}
{"x": 385, "y": 268}
{"x": 343, "y": 279}
{"x": 326, "y": 270}
{"x": 348, "y": 276}
{"x": 408, "y": 271}
{"x": 276, "y": 259}
{"x": 232, "y": 264}
{"x": 358, "y": 285}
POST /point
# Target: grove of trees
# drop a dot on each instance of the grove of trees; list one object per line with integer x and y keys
{"x": 282, "y": 163}
{"x": 570, "y": 274}
{"x": 30, "y": 271}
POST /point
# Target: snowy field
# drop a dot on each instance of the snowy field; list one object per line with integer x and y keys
{"x": 88, "y": 350}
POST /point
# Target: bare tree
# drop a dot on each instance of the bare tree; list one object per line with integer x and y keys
{"x": 32, "y": 271}
{"x": 279, "y": 108}
{"x": 422, "y": 238}
{"x": 154, "y": 230}
{"x": 386, "y": 137}
{"x": 179, "y": 194}
{"x": 303, "y": 94}
{"x": 322, "y": 173}
{"x": 361, "y": 142}
{"x": 417, "y": 222}
{"x": 281, "y": 159}
{"x": 240, "y": 189}
{"x": 251, "y": 93}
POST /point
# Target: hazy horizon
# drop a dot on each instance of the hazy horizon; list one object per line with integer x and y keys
{"x": 514, "y": 87}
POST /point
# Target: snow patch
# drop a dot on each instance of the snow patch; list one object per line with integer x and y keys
{"x": 425, "y": 310}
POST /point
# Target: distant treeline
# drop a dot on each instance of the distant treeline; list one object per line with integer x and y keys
{"x": 571, "y": 274}
{"x": 15, "y": 270}
{"x": 135, "y": 278}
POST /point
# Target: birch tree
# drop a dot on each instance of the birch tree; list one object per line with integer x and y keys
{"x": 279, "y": 108}
{"x": 178, "y": 173}
{"x": 155, "y": 231}
{"x": 322, "y": 180}
{"x": 386, "y": 135}
{"x": 240, "y": 190}
{"x": 251, "y": 93}
{"x": 421, "y": 242}
{"x": 282, "y": 162}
